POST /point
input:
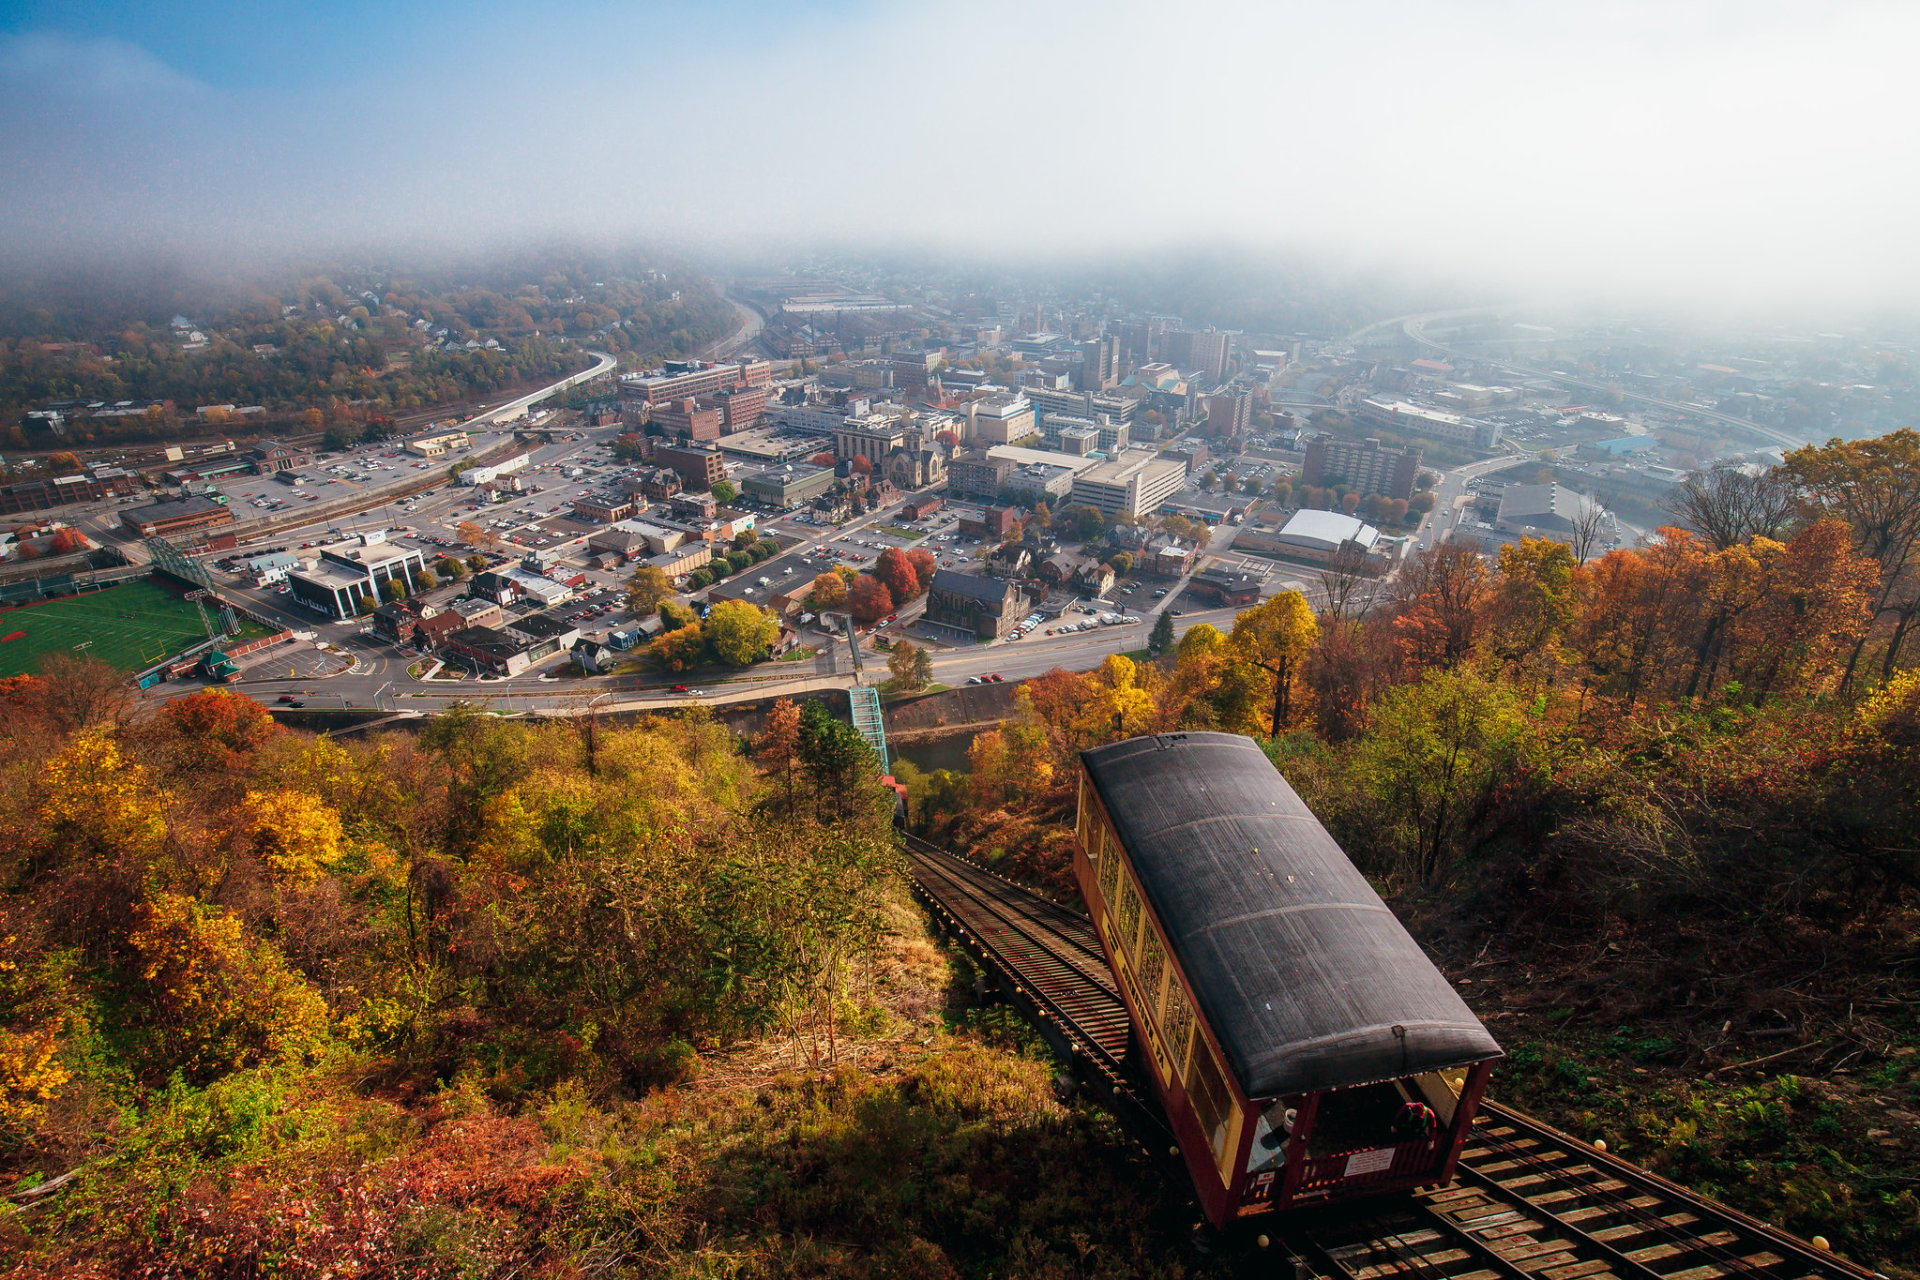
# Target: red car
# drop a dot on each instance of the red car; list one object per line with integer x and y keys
{"x": 994, "y": 678}
{"x": 679, "y": 688}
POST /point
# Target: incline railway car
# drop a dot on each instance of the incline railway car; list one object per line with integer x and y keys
{"x": 1304, "y": 1047}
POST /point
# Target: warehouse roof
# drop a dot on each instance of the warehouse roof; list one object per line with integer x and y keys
{"x": 1306, "y": 978}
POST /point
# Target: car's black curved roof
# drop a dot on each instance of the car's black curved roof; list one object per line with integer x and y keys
{"x": 1307, "y": 979}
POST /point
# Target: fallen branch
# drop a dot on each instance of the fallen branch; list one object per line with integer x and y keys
{"x": 1754, "y": 1062}
{"x": 35, "y": 1192}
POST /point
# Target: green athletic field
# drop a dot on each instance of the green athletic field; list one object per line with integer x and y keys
{"x": 132, "y": 626}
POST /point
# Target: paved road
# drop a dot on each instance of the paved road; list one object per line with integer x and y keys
{"x": 751, "y": 323}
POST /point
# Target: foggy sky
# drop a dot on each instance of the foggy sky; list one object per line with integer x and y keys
{"x": 1695, "y": 152}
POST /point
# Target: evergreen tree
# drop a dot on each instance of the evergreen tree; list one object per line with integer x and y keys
{"x": 1162, "y": 638}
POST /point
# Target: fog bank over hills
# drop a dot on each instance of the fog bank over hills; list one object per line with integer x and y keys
{"x": 1732, "y": 153}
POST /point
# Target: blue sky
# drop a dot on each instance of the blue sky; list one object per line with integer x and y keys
{"x": 1686, "y": 149}
{"x": 335, "y": 43}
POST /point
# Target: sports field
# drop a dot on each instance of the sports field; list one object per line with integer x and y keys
{"x": 132, "y": 626}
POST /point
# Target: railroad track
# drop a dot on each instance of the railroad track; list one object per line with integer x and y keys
{"x": 1527, "y": 1202}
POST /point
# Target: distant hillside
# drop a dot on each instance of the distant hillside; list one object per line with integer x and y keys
{"x": 345, "y": 342}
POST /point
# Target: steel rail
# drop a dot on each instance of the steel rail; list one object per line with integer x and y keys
{"x": 1047, "y": 960}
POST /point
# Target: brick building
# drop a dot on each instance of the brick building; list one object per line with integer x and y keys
{"x": 171, "y": 516}
{"x": 699, "y": 467}
{"x": 1364, "y": 466}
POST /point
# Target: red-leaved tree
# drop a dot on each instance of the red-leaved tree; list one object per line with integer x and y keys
{"x": 869, "y": 600}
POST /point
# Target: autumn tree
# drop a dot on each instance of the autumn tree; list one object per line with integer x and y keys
{"x": 214, "y": 999}
{"x": 898, "y": 575}
{"x": 869, "y": 600}
{"x": 1431, "y": 762}
{"x": 76, "y": 693}
{"x": 911, "y": 666}
{"x": 1349, "y": 583}
{"x": 1442, "y": 600}
{"x": 829, "y": 592}
{"x": 217, "y": 728}
{"x": 1275, "y": 636}
{"x": 681, "y": 649}
{"x": 297, "y": 835}
{"x": 777, "y": 749}
{"x": 1874, "y": 486}
{"x": 1729, "y": 505}
{"x": 1532, "y": 601}
{"x": 1637, "y": 613}
{"x": 648, "y": 586}
{"x": 925, "y": 565}
{"x": 740, "y": 632}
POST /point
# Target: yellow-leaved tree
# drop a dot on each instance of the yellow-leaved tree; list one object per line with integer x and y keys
{"x": 1275, "y": 636}
{"x": 216, "y": 1000}
{"x": 295, "y": 833}
{"x": 30, "y": 1069}
{"x": 99, "y": 804}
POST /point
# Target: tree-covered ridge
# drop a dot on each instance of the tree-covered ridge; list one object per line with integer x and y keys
{"x": 393, "y": 341}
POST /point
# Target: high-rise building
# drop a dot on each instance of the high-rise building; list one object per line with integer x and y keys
{"x": 1099, "y": 362}
{"x": 1230, "y": 413}
{"x": 1206, "y": 350}
{"x": 1363, "y": 467}
{"x": 1139, "y": 341}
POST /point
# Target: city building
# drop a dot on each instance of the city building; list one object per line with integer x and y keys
{"x": 999, "y": 418}
{"x": 741, "y": 408}
{"x": 1549, "y": 509}
{"x": 699, "y": 467}
{"x": 657, "y": 483}
{"x": 1116, "y": 406}
{"x": 171, "y": 516}
{"x": 1228, "y": 586}
{"x": 682, "y": 560}
{"x": 272, "y": 567}
{"x": 682, "y": 379}
{"x": 789, "y": 488}
{"x": 500, "y": 652}
{"x": 475, "y": 476}
{"x": 1206, "y": 350}
{"x": 474, "y": 611}
{"x": 1230, "y": 413}
{"x": 915, "y": 463}
{"x": 1363, "y": 467}
{"x": 871, "y": 436}
{"x": 688, "y": 419}
{"x": 1313, "y": 536}
{"x": 962, "y": 604}
{"x": 347, "y": 578}
{"x": 990, "y": 522}
{"x": 39, "y": 495}
{"x": 1405, "y": 418}
{"x": 1099, "y": 363}
{"x": 602, "y": 507}
{"x": 438, "y": 444}
{"x": 270, "y": 455}
{"x": 1619, "y": 447}
{"x": 978, "y": 475}
{"x": 1133, "y": 484}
